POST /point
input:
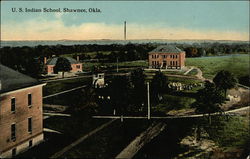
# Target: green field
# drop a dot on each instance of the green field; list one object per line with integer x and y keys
{"x": 141, "y": 63}
{"x": 172, "y": 102}
{"x": 237, "y": 64}
{"x": 58, "y": 86}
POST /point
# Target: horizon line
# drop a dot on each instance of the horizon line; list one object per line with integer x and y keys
{"x": 131, "y": 39}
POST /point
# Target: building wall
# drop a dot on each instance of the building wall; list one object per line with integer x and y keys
{"x": 23, "y": 146}
{"x": 50, "y": 69}
{"x": 173, "y": 60}
{"x": 76, "y": 67}
{"x": 20, "y": 118}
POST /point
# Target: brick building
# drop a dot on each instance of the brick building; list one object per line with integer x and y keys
{"x": 21, "y": 113}
{"x": 166, "y": 57}
{"x": 50, "y": 64}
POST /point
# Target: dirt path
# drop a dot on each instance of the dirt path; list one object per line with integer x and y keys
{"x": 144, "y": 138}
{"x": 191, "y": 68}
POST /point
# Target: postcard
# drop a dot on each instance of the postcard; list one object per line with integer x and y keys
{"x": 124, "y": 79}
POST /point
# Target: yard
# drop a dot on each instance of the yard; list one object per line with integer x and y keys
{"x": 237, "y": 64}
{"x": 58, "y": 86}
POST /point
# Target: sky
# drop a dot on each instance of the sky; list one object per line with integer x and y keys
{"x": 216, "y": 20}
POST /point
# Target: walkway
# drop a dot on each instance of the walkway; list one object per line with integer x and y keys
{"x": 240, "y": 111}
{"x": 191, "y": 68}
{"x": 144, "y": 138}
{"x": 77, "y": 77}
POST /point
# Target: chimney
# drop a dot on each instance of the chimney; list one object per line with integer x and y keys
{"x": 125, "y": 31}
{"x": 45, "y": 60}
{"x": 77, "y": 58}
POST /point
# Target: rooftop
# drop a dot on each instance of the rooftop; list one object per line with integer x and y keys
{"x": 53, "y": 61}
{"x": 166, "y": 49}
{"x": 12, "y": 80}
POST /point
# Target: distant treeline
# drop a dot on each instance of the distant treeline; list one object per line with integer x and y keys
{"x": 29, "y": 60}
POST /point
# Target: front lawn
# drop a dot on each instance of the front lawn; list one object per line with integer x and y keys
{"x": 237, "y": 64}
{"x": 173, "y": 102}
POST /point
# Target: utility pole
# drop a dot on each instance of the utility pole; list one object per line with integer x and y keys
{"x": 148, "y": 100}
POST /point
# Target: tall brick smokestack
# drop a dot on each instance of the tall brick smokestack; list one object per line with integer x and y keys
{"x": 45, "y": 60}
{"x": 125, "y": 31}
{"x": 77, "y": 58}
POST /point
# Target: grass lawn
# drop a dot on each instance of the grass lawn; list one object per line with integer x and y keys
{"x": 183, "y": 80}
{"x": 140, "y": 63}
{"x": 193, "y": 72}
{"x": 173, "y": 102}
{"x": 58, "y": 86}
{"x": 110, "y": 141}
{"x": 237, "y": 64}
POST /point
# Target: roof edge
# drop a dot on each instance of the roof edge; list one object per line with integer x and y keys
{"x": 21, "y": 88}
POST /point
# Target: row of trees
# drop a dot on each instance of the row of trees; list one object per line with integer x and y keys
{"x": 21, "y": 58}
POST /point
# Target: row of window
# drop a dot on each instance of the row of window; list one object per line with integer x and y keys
{"x": 155, "y": 63}
{"x": 13, "y": 129}
{"x": 165, "y": 56}
{"x": 13, "y": 102}
{"x": 172, "y": 63}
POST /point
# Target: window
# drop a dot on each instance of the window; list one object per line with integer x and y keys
{"x": 30, "y": 143}
{"x": 13, "y": 152}
{"x": 29, "y": 99}
{"x": 78, "y": 66}
{"x": 13, "y": 132}
{"x": 13, "y": 104}
{"x": 176, "y": 63}
{"x": 30, "y": 125}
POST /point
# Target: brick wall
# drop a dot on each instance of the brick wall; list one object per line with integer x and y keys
{"x": 75, "y": 68}
{"x": 172, "y": 59}
{"x": 20, "y": 117}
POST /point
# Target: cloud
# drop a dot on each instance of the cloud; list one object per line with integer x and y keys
{"x": 41, "y": 29}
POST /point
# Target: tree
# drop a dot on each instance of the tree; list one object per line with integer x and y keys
{"x": 63, "y": 65}
{"x": 33, "y": 67}
{"x": 225, "y": 80}
{"x": 119, "y": 93}
{"x": 139, "y": 87}
{"x": 208, "y": 100}
{"x": 158, "y": 86}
